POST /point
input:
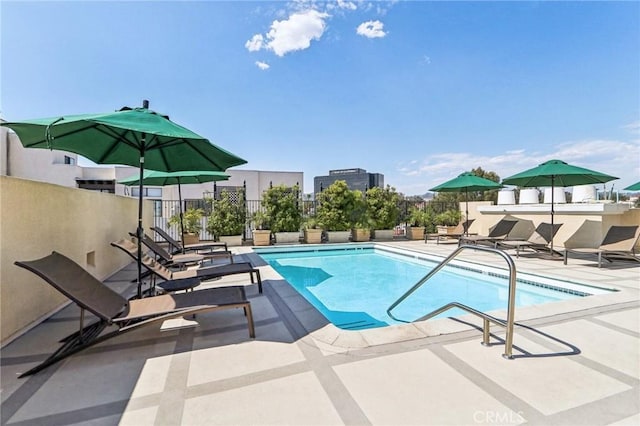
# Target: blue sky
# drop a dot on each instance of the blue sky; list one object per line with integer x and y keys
{"x": 417, "y": 91}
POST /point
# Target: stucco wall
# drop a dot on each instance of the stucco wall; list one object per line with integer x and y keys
{"x": 37, "y": 218}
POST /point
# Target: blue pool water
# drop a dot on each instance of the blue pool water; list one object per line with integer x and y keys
{"x": 353, "y": 288}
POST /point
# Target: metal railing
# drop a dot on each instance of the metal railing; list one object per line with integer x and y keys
{"x": 487, "y": 319}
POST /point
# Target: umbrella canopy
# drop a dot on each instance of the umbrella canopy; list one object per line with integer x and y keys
{"x": 133, "y": 136}
{"x": 634, "y": 187}
{"x": 556, "y": 173}
{"x": 466, "y": 182}
{"x": 156, "y": 178}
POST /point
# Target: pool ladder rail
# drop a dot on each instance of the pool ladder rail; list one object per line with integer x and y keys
{"x": 487, "y": 319}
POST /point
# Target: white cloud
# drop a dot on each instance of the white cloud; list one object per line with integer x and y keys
{"x": 263, "y": 65}
{"x": 347, "y": 5}
{"x": 256, "y": 43}
{"x": 371, "y": 29}
{"x": 291, "y": 34}
{"x": 616, "y": 158}
{"x": 633, "y": 127}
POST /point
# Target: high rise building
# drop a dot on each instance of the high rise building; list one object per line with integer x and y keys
{"x": 355, "y": 178}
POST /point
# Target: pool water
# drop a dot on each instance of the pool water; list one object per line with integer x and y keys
{"x": 354, "y": 288}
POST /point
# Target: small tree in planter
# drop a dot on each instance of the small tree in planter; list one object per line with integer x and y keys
{"x": 418, "y": 221}
{"x": 360, "y": 219}
{"x": 312, "y": 230}
{"x": 335, "y": 210}
{"x": 384, "y": 210}
{"x": 191, "y": 222}
{"x": 228, "y": 218}
{"x": 261, "y": 230}
{"x": 283, "y": 210}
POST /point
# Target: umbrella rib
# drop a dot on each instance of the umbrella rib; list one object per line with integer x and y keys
{"x": 120, "y": 137}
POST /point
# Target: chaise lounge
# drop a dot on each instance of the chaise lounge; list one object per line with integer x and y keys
{"x": 203, "y": 274}
{"x": 499, "y": 232}
{"x": 618, "y": 243}
{"x": 112, "y": 309}
{"x": 538, "y": 242}
{"x": 179, "y": 248}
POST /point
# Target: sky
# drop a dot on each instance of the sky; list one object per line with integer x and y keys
{"x": 418, "y": 91}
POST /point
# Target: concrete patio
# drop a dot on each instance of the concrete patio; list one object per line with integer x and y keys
{"x": 576, "y": 363}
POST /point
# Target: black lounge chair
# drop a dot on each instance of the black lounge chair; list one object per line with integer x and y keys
{"x": 181, "y": 260}
{"x": 203, "y": 274}
{"x": 619, "y": 243}
{"x": 538, "y": 242}
{"x": 112, "y": 309}
{"x": 177, "y": 246}
{"x": 499, "y": 232}
{"x": 460, "y": 230}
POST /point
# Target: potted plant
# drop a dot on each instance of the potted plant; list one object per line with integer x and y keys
{"x": 336, "y": 204}
{"x": 384, "y": 210}
{"x": 312, "y": 230}
{"x": 282, "y": 207}
{"x": 191, "y": 223}
{"x": 418, "y": 220}
{"x": 447, "y": 221}
{"x": 361, "y": 227}
{"x": 228, "y": 218}
{"x": 261, "y": 231}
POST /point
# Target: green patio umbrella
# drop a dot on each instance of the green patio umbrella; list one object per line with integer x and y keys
{"x": 556, "y": 173}
{"x": 634, "y": 187}
{"x": 466, "y": 182}
{"x": 155, "y": 178}
{"x": 132, "y": 136}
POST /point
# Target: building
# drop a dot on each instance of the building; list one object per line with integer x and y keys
{"x": 355, "y": 179}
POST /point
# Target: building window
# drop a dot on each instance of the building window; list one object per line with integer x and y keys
{"x": 146, "y": 192}
{"x": 69, "y": 160}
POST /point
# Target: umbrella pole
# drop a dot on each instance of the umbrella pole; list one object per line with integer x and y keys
{"x": 552, "y": 213}
{"x": 181, "y": 215}
{"x": 466, "y": 214}
{"x": 140, "y": 231}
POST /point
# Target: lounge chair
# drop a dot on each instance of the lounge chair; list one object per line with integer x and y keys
{"x": 619, "y": 243}
{"x": 538, "y": 242}
{"x": 181, "y": 260}
{"x": 461, "y": 229}
{"x": 203, "y": 274}
{"x": 177, "y": 246}
{"x": 112, "y": 309}
{"x": 498, "y": 232}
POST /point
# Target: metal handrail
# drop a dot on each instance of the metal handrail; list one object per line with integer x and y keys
{"x": 508, "y": 344}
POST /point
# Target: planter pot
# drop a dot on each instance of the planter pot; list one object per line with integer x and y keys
{"x": 231, "y": 240}
{"x": 415, "y": 232}
{"x": 288, "y": 237}
{"x": 313, "y": 236}
{"x": 261, "y": 237}
{"x": 360, "y": 234}
{"x": 383, "y": 234}
{"x": 338, "y": 236}
{"x": 444, "y": 229}
{"x": 191, "y": 238}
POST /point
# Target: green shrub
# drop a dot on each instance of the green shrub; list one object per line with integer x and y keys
{"x": 191, "y": 220}
{"x": 282, "y": 208}
{"x": 228, "y": 217}
{"x": 383, "y": 207}
{"x": 337, "y": 203}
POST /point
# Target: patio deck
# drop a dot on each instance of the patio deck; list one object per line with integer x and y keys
{"x": 577, "y": 362}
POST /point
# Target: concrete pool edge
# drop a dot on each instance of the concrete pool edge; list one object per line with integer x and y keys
{"x": 334, "y": 339}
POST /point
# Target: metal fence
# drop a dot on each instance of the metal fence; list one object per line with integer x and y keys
{"x": 164, "y": 210}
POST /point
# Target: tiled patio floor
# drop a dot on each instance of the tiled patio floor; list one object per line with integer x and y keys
{"x": 577, "y": 362}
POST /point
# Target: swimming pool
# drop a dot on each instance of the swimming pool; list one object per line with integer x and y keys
{"x": 353, "y": 285}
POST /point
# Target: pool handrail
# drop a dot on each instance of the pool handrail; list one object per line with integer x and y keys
{"x": 508, "y": 344}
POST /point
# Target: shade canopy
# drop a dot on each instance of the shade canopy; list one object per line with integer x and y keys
{"x": 556, "y": 173}
{"x": 156, "y": 178}
{"x": 466, "y": 182}
{"x": 634, "y": 187}
{"x": 133, "y": 136}
{"x": 124, "y": 137}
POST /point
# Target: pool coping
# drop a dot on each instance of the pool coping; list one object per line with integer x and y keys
{"x": 333, "y": 339}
